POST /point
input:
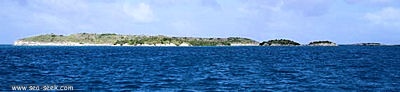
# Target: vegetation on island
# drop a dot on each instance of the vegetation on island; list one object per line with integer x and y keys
{"x": 88, "y": 39}
{"x": 188, "y": 40}
{"x": 319, "y": 42}
{"x": 322, "y": 43}
{"x": 279, "y": 42}
{"x": 116, "y": 39}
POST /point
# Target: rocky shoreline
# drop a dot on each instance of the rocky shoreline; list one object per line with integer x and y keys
{"x": 29, "y": 43}
{"x": 110, "y": 39}
{"x": 322, "y": 43}
{"x": 26, "y": 43}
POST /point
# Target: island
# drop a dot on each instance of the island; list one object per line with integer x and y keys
{"x": 322, "y": 43}
{"x": 111, "y": 39}
{"x": 279, "y": 42}
{"x": 368, "y": 44}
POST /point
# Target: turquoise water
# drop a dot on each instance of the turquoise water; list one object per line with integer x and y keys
{"x": 342, "y": 68}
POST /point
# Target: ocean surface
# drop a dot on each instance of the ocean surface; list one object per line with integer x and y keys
{"x": 342, "y": 68}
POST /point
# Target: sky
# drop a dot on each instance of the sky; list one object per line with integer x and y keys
{"x": 340, "y": 21}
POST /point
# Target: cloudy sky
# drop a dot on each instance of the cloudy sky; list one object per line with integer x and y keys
{"x": 341, "y": 21}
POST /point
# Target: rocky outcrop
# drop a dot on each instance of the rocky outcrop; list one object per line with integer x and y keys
{"x": 368, "y": 44}
{"x": 185, "y": 44}
{"x": 279, "y": 42}
{"x": 322, "y": 43}
{"x": 240, "y": 44}
{"x": 28, "y": 43}
{"x": 88, "y": 39}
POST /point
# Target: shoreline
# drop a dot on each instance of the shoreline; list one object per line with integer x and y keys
{"x": 23, "y": 43}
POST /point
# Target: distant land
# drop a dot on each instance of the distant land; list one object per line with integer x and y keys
{"x": 111, "y": 39}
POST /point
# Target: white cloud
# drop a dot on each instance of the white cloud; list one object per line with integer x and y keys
{"x": 59, "y": 6}
{"x": 375, "y": 3}
{"x": 370, "y": 1}
{"x": 140, "y": 13}
{"x": 182, "y": 25}
{"x": 211, "y": 3}
{"x": 388, "y": 17}
{"x": 309, "y": 7}
{"x": 303, "y": 7}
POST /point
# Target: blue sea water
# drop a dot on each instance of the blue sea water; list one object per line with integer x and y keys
{"x": 342, "y": 68}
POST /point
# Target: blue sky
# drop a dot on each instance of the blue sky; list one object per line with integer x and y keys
{"x": 341, "y": 21}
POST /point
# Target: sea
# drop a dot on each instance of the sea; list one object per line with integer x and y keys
{"x": 192, "y": 69}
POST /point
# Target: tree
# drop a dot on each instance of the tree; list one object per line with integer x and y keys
{"x": 280, "y": 42}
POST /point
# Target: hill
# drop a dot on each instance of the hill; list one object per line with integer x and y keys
{"x": 279, "y": 42}
{"x": 131, "y": 40}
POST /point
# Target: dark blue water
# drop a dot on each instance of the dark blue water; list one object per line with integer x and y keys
{"x": 342, "y": 68}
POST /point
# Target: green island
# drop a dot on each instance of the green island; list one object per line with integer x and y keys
{"x": 111, "y": 39}
{"x": 279, "y": 42}
{"x": 368, "y": 44}
{"x": 322, "y": 43}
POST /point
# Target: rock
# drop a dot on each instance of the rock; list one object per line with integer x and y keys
{"x": 279, "y": 42}
{"x": 185, "y": 44}
{"x": 368, "y": 44}
{"x": 322, "y": 43}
